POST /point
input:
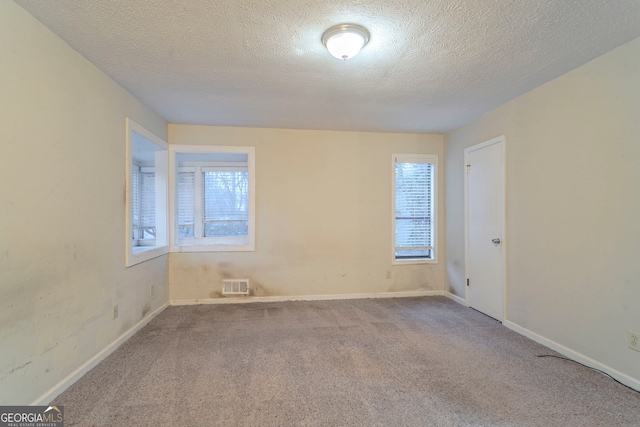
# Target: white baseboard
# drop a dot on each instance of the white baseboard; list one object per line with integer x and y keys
{"x": 456, "y": 298}
{"x": 571, "y": 354}
{"x": 53, "y": 392}
{"x": 242, "y": 300}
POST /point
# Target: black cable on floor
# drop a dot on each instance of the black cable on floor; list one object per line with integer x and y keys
{"x": 594, "y": 369}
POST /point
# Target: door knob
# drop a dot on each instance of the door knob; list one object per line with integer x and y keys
{"x": 495, "y": 241}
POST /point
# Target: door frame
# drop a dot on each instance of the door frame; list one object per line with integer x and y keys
{"x": 498, "y": 140}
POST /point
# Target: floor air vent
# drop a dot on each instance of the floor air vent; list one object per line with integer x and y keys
{"x": 235, "y": 287}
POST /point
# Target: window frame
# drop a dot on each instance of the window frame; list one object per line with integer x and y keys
{"x": 211, "y": 244}
{"x": 135, "y": 254}
{"x": 420, "y": 158}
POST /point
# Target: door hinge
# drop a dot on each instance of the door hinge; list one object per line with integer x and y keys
{"x": 468, "y": 168}
{"x": 467, "y": 282}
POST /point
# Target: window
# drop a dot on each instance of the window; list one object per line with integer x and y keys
{"x": 213, "y": 198}
{"x": 414, "y": 198}
{"x": 143, "y": 190}
{"x": 146, "y": 201}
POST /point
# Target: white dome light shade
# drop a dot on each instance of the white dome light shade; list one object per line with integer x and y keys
{"x": 345, "y": 41}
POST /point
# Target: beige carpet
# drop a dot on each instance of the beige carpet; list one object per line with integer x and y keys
{"x": 391, "y": 362}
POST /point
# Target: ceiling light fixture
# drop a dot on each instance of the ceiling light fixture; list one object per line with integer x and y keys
{"x": 344, "y": 41}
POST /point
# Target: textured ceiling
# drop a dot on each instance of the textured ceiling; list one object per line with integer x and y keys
{"x": 430, "y": 66}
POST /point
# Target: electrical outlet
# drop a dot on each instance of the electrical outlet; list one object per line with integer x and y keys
{"x": 388, "y": 274}
{"x": 634, "y": 341}
{"x": 114, "y": 314}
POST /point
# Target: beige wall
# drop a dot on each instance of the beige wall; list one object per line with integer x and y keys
{"x": 323, "y": 215}
{"x": 323, "y": 211}
{"x": 573, "y": 207}
{"x": 62, "y": 162}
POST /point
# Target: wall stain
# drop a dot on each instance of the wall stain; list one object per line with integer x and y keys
{"x": 91, "y": 319}
{"x": 17, "y": 368}
{"x": 48, "y": 349}
{"x": 224, "y": 270}
{"x": 145, "y": 310}
{"x": 258, "y": 289}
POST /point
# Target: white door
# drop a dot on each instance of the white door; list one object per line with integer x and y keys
{"x": 485, "y": 227}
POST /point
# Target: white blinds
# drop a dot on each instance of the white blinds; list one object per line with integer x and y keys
{"x": 225, "y": 202}
{"x": 135, "y": 202}
{"x": 143, "y": 204}
{"x": 186, "y": 204}
{"x": 147, "y": 205}
{"x": 413, "y": 206}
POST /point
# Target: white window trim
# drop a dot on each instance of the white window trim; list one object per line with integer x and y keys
{"x": 136, "y": 255}
{"x": 248, "y": 244}
{"x": 419, "y": 158}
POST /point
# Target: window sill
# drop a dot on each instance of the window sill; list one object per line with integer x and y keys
{"x": 138, "y": 254}
{"x": 141, "y": 249}
{"x": 413, "y": 261}
{"x": 213, "y": 248}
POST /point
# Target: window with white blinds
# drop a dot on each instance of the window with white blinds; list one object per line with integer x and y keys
{"x": 186, "y": 203}
{"x": 147, "y": 207}
{"x": 135, "y": 204}
{"x": 413, "y": 195}
{"x": 143, "y": 206}
{"x": 146, "y": 196}
{"x": 213, "y": 198}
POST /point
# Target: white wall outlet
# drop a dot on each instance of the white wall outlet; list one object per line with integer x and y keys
{"x": 114, "y": 313}
{"x": 634, "y": 341}
{"x": 388, "y": 274}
